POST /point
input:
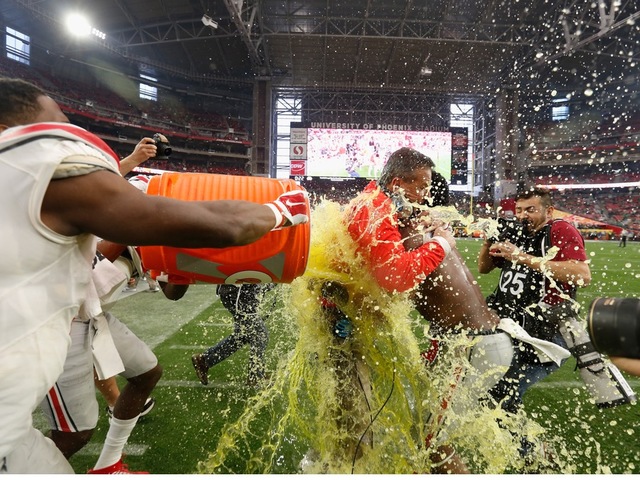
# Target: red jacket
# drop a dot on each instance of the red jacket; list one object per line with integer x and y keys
{"x": 374, "y": 227}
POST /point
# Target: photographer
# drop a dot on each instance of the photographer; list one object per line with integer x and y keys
{"x": 157, "y": 147}
{"x": 145, "y": 149}
{"x": 537, "y": 289}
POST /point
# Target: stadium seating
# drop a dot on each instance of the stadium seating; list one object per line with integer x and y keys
{"x": 202, "y": 137}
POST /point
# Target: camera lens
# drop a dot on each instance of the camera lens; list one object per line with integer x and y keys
{"x": 163, "y": 146}
{"x": 614, "y": 326}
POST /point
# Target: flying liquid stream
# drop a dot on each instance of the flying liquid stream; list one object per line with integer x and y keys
{"x": 367, "y": 403}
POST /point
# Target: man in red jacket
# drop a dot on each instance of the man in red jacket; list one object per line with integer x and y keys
{"x": 375, "y": 221}
{"x": 375, "y": 217}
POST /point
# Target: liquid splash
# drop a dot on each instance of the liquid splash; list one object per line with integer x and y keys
{"x": 365, "y": 404}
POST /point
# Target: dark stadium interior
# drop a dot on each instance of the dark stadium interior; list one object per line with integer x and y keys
{"x": 396, "y": 62}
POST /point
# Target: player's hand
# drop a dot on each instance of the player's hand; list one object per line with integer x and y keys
{"x": 423, "y": 221}
{"x": 290, "y": 208}
{"x": 506, "y": 250}
{"x": 436, "y": 224}
{"x": 144, "y": 150}
{"x": 445, "y": 232}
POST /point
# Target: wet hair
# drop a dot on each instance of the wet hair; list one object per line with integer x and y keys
{"x": 403, "y": 164}
{"x": 543, "y": 193}
{"x": 18, "y": 101}
{"x": 439, "y": 190}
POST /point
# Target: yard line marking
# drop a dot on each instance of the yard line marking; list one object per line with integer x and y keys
{"x": 573, "y": 384}
{"x": 189, "y": 347}
{"x": 196, "y": 384}
{"x": 95, "y": 448}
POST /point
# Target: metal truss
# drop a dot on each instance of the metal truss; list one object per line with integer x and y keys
{"x": 406, "y": 28}
{"x": 573, "y": 26}
{"x": 121, "y": 42}
{"x": 369, "y": 108}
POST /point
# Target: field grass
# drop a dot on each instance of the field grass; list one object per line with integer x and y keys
{"x": 188, "y": 418}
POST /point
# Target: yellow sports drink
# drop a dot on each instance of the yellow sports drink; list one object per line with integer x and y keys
{"x": 278, "y": 257}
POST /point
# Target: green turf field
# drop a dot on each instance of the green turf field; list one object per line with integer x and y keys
{"x": 188, "y": 417}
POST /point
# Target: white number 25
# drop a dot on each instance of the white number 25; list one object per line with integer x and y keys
{"x": 512, "y": 282}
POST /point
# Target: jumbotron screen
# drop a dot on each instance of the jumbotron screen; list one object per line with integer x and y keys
{"x": 336, "y": 153}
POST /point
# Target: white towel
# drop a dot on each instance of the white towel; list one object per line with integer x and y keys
{"x": 106, "y": 358}
{"x": 546, "y": 351}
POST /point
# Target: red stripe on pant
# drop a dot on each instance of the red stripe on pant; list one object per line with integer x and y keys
{"x": 58, "y": 411}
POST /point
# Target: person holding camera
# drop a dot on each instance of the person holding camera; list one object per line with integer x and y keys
{"x": 143, "y": 151}
{"x": 543, "y": 262}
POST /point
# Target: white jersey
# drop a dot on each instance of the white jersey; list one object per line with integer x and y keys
{"x": 44, "y": 277}
{"x": 37, "y": 264}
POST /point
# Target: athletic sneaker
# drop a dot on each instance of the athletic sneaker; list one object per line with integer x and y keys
{"x": 148, "y": 406}
{"x": 116, "y": 468}
{"x": 153, "y": 285}
{"x": 201, "y": 368}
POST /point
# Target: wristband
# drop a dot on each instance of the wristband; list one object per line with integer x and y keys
{"x": 442, "y": 242}
{"x": 278, "y": 214}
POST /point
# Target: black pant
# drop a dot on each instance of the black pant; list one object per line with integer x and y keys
{"x": 249, "y": 328}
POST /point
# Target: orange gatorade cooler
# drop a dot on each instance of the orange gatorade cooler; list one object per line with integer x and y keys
{"x": 278, "y": 257}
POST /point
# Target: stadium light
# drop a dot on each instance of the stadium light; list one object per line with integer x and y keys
{"x": 209, "y": 22}
{"x": 78, "y": 25}
{"x": 425, "y": 71}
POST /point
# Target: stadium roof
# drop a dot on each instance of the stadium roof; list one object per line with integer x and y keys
{"x": 453, "y": 46}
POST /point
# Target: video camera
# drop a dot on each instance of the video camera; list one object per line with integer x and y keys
{"x": 162, "y": 145}
{"x": 508, "y": 229}
{"x": 614, "y": 326}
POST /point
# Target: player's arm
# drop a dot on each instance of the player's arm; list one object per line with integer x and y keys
{"x": 105, "y": 204}
{"x": 111, "y": 250}
{"x": 144, "y": 150}
{"x": 571, "y": 271}
{"x": 485, "y": 260}
{"x": 396, "y": 269}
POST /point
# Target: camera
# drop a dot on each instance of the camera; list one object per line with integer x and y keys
{"x": 614, "y": 326}
{"x": 508, "y": 229}
{"x": 163, "y": 146}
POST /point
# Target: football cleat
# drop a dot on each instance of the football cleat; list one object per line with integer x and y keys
{"x": 147, "y": 407}
{"x": 201, "y": 368}
{"x": 117, "y": 468}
